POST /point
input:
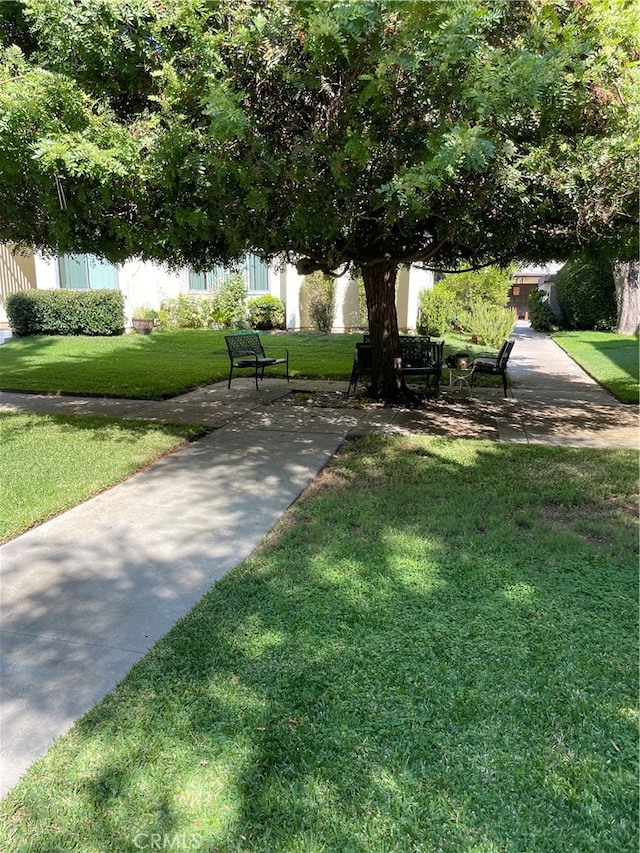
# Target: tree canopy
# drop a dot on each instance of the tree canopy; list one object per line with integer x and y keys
{"x": 364, "y": 133}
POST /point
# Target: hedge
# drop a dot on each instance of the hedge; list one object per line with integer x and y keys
{"x": 586, "y": 294}
{"x": 66, "y": 312}
{"x": 540, "y": 313}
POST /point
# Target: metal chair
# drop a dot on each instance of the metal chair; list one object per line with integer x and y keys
{"x": 492, "y": 365}
{"x": 362, "y": 365}
{"x": 246, "y": 351}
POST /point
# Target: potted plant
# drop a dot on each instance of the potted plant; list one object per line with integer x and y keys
{"x": 143, "y": 320}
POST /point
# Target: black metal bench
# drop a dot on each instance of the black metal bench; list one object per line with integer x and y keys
{"x": 246, "y": 352}
{"x": 420, "y": 357}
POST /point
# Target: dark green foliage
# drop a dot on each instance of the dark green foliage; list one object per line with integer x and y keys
{"x": 540, "y": 313}
{"x": 318, "y": 292}
{"x": 66, "y": 312}
{"x": 586, "y": 293}
{"x": 266, "y": 312}
{"x": 436, "y": 313}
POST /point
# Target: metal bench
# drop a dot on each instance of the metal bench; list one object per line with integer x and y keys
{"x": 246, "y": 352}
{"x": 420, "y": 357}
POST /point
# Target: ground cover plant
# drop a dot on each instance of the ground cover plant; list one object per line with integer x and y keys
{"x": 398, "y": 667}
{"x": 612, "y": 360}
{"x": 50, "y": 463}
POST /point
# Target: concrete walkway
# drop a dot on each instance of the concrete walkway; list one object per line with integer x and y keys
{"x": 85, "y": 595}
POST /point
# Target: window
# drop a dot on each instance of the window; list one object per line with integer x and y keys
{"x": 86, "y": 272}
{"x": 516, "y": 290}
{"x": 254, "y": 271}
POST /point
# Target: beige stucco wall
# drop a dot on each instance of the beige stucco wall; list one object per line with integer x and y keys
{"x": 17, "y": 272}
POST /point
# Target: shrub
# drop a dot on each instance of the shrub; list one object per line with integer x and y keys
{"x": 436, "y": 312}
{"x": 490, "y": 284}
{"x": 266, "y": 312}
{"x": 319, "y": 293}
{"x": 540, "y": 313}
{"x": 185, "y": 312}
{"x": 228, "y": 305}
{"x": 66, "y": 312}
{"x": 586, "y": 293}
{"x": 490, "y": 324}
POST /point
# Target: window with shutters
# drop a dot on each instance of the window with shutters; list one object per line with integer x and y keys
{"x": 254, "y": 272}
{"x": 87, "y": 272}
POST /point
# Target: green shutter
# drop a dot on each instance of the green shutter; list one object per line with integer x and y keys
{"x": 217, "y": 276}
{"x": 197, "y": 281}
{"x": 73, "y": 272}
{"x": 83, "y": 272}
{"x": 102, "y": 274}
{"x": 256, "y": 274}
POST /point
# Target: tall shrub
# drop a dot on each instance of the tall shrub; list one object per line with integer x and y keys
{"x": 229, "y": 303}
{"x": 436, "y": 312}
{"x": 66, "y": 312}
{"x": 540, "y": 313}
{"x": 586, "y": 293}
{"x": 319, "y": 295}
{"x": 490, "y": 284}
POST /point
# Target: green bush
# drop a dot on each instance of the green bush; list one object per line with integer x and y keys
{"x": 586, "y": 294}
{"x": 228, "y": 306}
{"x": 490, "y": 284}
{"x": 488, "y": 323}
{"x": 319, "y": 296}
{"x": 266, "y": 312}
{"x": 540, "y": 313}
{"x": 436, "y": 313}
{"x": 185, "y": 312}
{"x": 66, "y": 312}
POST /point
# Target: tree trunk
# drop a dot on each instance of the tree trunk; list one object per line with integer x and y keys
{"x": 380, "y": 291}
{"x": 625, "y": 276}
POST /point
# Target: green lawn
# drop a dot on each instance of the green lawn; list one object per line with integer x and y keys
{"x": 49, "y": 463}
{"x": 155, "y": 366}
{"x": 611, "y": 359}
{"x": 160, "y": 365}
{"x": 435, "y": 650}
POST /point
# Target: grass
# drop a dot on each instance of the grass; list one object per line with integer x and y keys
{"x": 611, "y": 359}
{"x": 50, "y": 463}
{"x": 160, "y": 365}
{"x": 435, "y": 650}
{"x": 156, "y": 366}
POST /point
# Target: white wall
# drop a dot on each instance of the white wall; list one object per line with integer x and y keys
{"x": 419, "y": 280}
{"x": 145, "y": 285}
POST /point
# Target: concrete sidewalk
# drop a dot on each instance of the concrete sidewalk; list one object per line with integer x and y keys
{"x": 85, "y": 595}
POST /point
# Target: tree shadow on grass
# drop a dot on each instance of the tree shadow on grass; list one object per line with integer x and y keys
{"x": 424, "y": 664}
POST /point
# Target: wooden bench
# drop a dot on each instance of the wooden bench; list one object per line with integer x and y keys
{"x": 420, "y": 357}
{"x": 246, "y": 352}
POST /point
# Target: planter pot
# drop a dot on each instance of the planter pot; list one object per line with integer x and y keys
{"x": 142, "y": 327}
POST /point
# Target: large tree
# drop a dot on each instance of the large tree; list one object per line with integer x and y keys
{"x": 335, "y": 134}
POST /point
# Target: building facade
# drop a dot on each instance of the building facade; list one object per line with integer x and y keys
{"x": 146, "y": 285}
